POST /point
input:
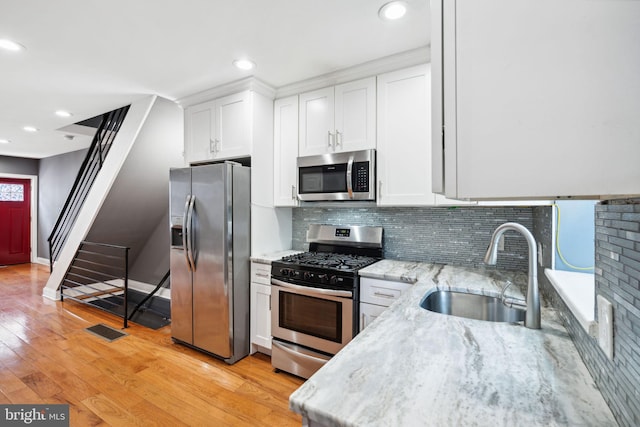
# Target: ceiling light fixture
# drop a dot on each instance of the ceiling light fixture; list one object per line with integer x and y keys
{"x": 30, "y": 129}
{"x": 62, "y": 113}
{"x": 4, "y": 141}
{"x": 393, "y": 10}
{"x": 7, "y": 44}
{"x": 244, "y": 64}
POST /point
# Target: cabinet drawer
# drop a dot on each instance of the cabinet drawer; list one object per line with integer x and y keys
{"x": 261, "y": 273}
{"x": 381, "y": 292}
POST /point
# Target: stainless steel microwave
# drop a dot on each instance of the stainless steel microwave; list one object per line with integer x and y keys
{"x": 337, "y": 176}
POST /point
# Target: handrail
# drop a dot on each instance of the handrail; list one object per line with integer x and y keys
{"x": 152, "y": 293}
{"x": 91, "y": 165}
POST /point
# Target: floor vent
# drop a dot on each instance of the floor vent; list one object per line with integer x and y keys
{"x": 105, "y": 332}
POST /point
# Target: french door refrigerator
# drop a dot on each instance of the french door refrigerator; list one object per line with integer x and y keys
{"x": 210, "y": 246}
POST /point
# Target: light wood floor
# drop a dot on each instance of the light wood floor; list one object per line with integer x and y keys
{"x": 46, "y": 356}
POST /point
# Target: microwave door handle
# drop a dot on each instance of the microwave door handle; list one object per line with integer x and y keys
{"x": 349, "y": 177}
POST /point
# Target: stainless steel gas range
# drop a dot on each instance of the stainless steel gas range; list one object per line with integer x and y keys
{"x": 315, "y": 296}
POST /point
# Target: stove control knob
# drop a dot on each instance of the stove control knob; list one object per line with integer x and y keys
{"x": 323, "y": 278}
{"x": 333, "y": 279}
{"x": 307, "y": 275}
{"x": 285, "y": 271}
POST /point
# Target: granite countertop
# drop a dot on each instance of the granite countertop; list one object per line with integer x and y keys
{"x": 413, "y": 367}
{"x": 273, "y": 256}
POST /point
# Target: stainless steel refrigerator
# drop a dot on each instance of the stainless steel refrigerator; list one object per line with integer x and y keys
{"x": 210, "y": 246}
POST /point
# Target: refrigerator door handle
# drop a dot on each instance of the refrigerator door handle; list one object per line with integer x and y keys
{"x": 192, "y": 260}
{"x": 185, "y": 231}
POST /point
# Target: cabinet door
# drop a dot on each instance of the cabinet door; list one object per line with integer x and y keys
{"x": 317, "y": 134}
{"x": 355, "y": 115}
{"x": 369, "y": 313}
{"x": 261, "y": 315}
{"x": 233, "y": 126}
{"x": 536, "y": 117}
{"x": 285, "y": 151}
{"x": 199, "y": 132}
{"x": 404, "y": 138}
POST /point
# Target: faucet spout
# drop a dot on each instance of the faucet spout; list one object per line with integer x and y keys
{"x": 532, "y": 316}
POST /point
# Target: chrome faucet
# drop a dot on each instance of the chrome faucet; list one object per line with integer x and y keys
{"x": 532, "y": 316}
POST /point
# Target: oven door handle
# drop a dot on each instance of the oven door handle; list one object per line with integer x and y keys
{"x": 310, "y": 289}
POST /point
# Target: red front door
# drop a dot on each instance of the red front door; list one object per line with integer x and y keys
{"x": 15, "y": 227}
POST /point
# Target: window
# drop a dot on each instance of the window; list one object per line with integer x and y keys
{"x": 11, "y": 193}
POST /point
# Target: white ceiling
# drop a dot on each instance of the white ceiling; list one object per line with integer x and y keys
{"x": 89, "y": 57}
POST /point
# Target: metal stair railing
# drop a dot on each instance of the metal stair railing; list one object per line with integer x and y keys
{"x": 99, "y": 272}
{"x": 98, "y": 150}
{"x": 160, "y": 284}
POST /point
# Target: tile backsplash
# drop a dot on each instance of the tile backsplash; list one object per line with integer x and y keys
{"x": 458, "y": 236}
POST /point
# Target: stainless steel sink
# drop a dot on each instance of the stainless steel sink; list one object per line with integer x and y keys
{"x": 471, "y": 306}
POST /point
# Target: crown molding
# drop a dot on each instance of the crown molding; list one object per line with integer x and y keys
{"x": 394, "y": 62}
{"x": 248, "y": 83}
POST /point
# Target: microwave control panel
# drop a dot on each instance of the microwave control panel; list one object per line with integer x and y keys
{"x": 361, "y": 179}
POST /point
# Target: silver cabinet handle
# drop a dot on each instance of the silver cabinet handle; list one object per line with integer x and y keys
{"x": 212, "y": 145}
{"x": 217, "y": 145}
{"x": 350, "y": 177}
{"x": 379, "y": 190}
{"x": 339, "y": 138}
{"x": 380, "y": 294}
{"x": 263, "y": 275}
{"x": 293, "y": 192}
{"x": 330, "y": 140}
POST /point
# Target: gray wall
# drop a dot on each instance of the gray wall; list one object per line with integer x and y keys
{"x": 135, "y": 212}
{"x": 56, "y": 175}
{"x": 457, "y": 236}
{"x": 18, "y": 165}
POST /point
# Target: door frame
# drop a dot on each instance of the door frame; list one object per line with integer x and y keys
{"x": 33, "y": 220}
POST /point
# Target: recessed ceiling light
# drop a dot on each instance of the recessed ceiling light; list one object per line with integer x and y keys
{"x": 30, "y": 129}
{"x": 7, "y": 44}
{"x": 4, "y": 141}
{"x": 244, "y": 64}
{"x": 62, "y": 113}
{"x": 393, "y": 10}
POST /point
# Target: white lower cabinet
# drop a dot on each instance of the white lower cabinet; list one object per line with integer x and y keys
{"x": 375, "y": 296}
{"x": 260, "y": 329}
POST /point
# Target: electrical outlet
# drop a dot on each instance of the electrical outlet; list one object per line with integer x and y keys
{"x": 501, "y": 243}
{"x": 605, "y": 326}
{"x": 539, "y": 253}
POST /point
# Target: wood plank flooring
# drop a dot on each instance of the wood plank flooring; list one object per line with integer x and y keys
{"x": 46, "y": 356}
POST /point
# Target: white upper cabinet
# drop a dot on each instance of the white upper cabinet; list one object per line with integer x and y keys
{"x": 340, "y": 118}
{"x": 536, "y": 98}
{"x": 219, "y": 129}
{"x": 404, "y": 138}
{"x": 285, "y": 151}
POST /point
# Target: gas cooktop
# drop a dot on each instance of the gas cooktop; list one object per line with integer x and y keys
{"x": 343, "y": 262}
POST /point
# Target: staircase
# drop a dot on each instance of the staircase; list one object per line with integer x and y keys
{"x": 112, "y": 227}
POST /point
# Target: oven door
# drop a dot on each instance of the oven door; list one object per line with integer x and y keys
{"x": 321, "y": 319}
